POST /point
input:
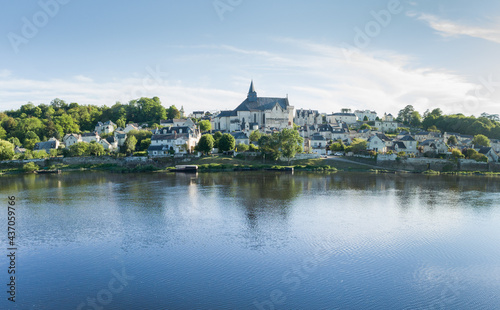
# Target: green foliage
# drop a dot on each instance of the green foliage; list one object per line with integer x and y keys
{"x": 173, "y": 112}
{"x": 3, "y": 133}
{"x": 6, "y": 150}
{"x": 253, "y": 148}
{"x": 129, "y": 146}
{"x": 30, "y": 140}
{"x": 241, "y": 147}
{"x": 79, "y": 149}
{"x": 290, "y": 143}
{"x": 205, "y": 126}
{"x": 456, "y": 153}
{"x": 30, "y": 167}
{"x": 145, "y": 144}
{"x": 255, "y": 136}
{"x": 15, "y": 141}
{"x": 481, "y": 140}
{"x": 226, "y": 143}
{"x": 468, "y": 125}
{"x": 401, "y": 154}
{"x": 96, "y": 149}
{"x": 365, "y": 126}
{"x": 141, "y": 135}
{"x": 217, "y": 137}
{"x": 358, "y": 145}
{"x": 452, "y": 140}
{"x": 206, "y": 144}
{"x": 40, "y": 154}
{"x": 338, "y": 146}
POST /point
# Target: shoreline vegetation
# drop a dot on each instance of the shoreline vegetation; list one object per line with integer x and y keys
{"x": 223, "y": 163}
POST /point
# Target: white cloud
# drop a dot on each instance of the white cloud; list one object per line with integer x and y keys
{"x": 316, "y": 76}
{"x": 448, "y": 28}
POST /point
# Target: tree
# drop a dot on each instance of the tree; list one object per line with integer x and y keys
{"x": 96, "y": 149}
{"x": 140, "y": 135}
{"x": 415, "y": 119}
{"x": 15, "y": 141}
{"x": 365, "y": 126}
{"x": 452, "y": 140}
{"x": 338, "y": 146}
{"x": 365, "y": 119}
{"x": 79, "y": 149}
{"x": 481, "y": 140}
{"x": 6, "y": 150}
{"x": 3, "y": 133}
{"x": 255, "y": 136}
{"x": 205, "y": 126}
{"x": 217, "y": 137}
{"x": 145, "y": 144}
{"x": 358, "y": 145}
{"x": 173, "y": 112}
{"x": 456, "y": 153}
{"x": 121, "y": 122}
{"x": 241, "y": 147}
{"x": 405, "y": 114}
{"x": 226, "y": 143}
{"x": 206, "y": 144}
{"x": 30, "y": 167}
{"x": 270, "y": 144}
{"x": 129, "y": 146}
{"x": 30, "y": 140}
{"x": 290, "y": 143}
{"x": 433, "y": 128}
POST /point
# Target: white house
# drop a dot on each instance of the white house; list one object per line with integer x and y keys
{"x": 307, "y": 117}
{"x": 262, "y": 112}
{"x": 180, "y": 140}
{"x": 377, "y": 144}
{"x": 318, "y": 144}
{"x": 348, "y": 118}
{"x": 130, "y": 127}
{"x": 240, "y": 137}
{"x": 370, "y": 115}
{"x": 120, "y": 136}
{"x": 90, "y": 136}
{"x": 385, "y": 126}
{"x": 71, "y": 138}
{"x": 105, "y": 128}
{"x": 410, "y": 144}
{"x": 106, "y": 145}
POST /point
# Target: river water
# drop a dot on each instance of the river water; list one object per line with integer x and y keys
{"x": 253, "y": 240}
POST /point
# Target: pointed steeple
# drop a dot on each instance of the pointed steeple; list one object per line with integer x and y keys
{"x": 252, "y": 94}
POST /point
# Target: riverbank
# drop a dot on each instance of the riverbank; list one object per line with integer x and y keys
{"x": 213, "y": 164}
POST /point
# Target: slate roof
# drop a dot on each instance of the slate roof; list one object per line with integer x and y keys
{"x": 400, "y": 145}
{"x": 318, "y": 137}
{"x": 157, "y": 148}
{"x": 407, "y": 138}
{"x": 344, "y": 114}
{"x": 484, "y": 150}
{"x": 227, "y": 113}
{"x": 90, "y": 134}
{"x": 262, "y": 104}
{"x": 45, "y": 145}
{"x": 239, "y": 135}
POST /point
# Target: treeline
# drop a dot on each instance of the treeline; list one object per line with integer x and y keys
{"x": 33, "y": 123}
{"x": 485, "y": 124}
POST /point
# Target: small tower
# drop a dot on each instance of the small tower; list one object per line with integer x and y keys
{"x": 252, "y": 94}
{"x": 182, "y": 111}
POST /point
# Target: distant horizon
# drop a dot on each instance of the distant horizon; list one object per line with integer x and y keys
{"x": 202, "y": 54}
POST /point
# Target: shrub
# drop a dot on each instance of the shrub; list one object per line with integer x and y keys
{"x": 30, "y": 167}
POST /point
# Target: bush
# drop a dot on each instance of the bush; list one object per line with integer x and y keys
{"x": 30, "y": 167}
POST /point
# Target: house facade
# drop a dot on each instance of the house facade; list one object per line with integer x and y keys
{"x": 90, "y": 136}
{"x": 71, "y": 138}
{"x": 105, "y": 128}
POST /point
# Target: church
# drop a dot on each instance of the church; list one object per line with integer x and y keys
{"x": 256, "y": 113}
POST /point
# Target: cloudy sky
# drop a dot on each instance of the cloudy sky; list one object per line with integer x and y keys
{"x": 202, "y": 54}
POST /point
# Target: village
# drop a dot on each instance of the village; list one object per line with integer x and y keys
{"x": 359, "y": 133}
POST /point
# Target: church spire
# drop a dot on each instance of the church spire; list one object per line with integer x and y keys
{"x": 252, "y": 94}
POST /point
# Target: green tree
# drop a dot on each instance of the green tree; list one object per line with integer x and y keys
{"x": 255, "y": 136}
{"x": 206, "y": 144}
{"x": 290, "y": 143}
{"x": 338, "y": 146}
{"x": 3, "y": 133}
{"x": 365, "y": 126}
{"x": 457, "y": 154}
{"x": 226, "y": 143}
{"x": 145, "y": 144}
{"x": 30, "y": 140}
{"x": 129, "y": 146}
{"x": 452, "y": 140}
{"x": 6, "y": 150}
{"x": 173, "y": 112}
{"x": 405, "y": 114}
{"x": 481, "y": 140}
{"x": 358, "y": 145}
{"x": 217, "y": 137}
{"x": 241, "y": 147}
{"x": 30, "y": 167}
{"x": 365, "y": 119}
{"x": 205, "y": 125}
{"x": 15, "y": 141}
{"x": 79, "y": 149}
{"x": 415, "y": 119}
{"x": 140, "y": 135}
{"x": 96, "y": 149}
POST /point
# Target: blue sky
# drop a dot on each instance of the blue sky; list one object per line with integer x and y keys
{"x": 202, "y": 54}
